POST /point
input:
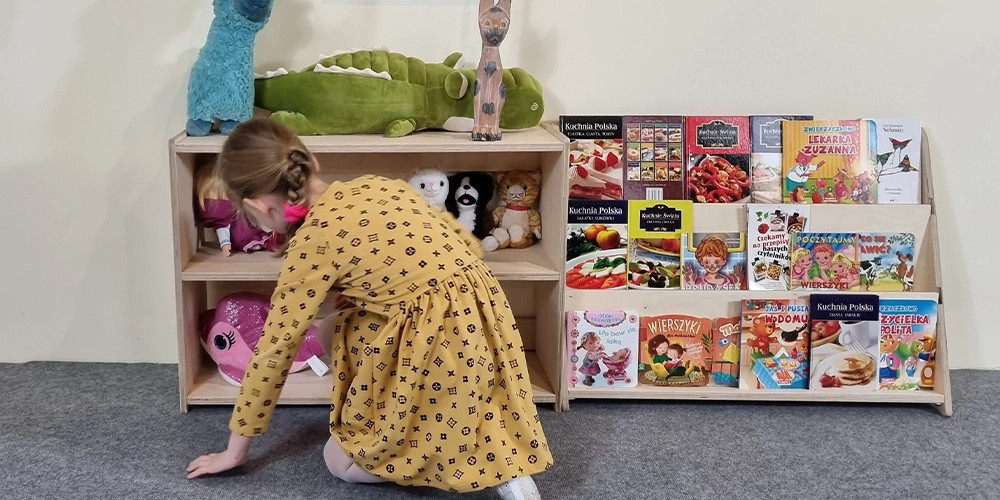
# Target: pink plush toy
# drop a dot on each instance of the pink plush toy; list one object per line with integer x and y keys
{"x": 230, "y": 332}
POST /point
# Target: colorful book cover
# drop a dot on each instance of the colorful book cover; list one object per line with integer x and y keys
{"x": 597, "y": 245}
{"x": 713, "y": 261}
{"x": 596, "y": 161}
{"x": 654, "y": 242}
{"x": 825, "y": 261}
{"x": 887, "y": 261}
{"x": 765, "y": 157}
{"x": 824, "y": 161}
{"x": 718, "y": 158}
{"x": 894, "y": 152}
{"x": 654, "y": 157}
{"x": 602, "y": 348}
{"x": 844, "y": 336}
{"x": 726, "y": 352}
{"x": 907, "y": 344}
{"x": 774, "y": 344}
{"x": 769, "y": 234}
{"x": 676, "y": 350}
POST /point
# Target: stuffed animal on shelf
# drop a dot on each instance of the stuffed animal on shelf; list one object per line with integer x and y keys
{"x": 234, "y": 230}
{"x": 220, "y": 87}
{"x": 432, "y": 184}
{"x": 229, "y": 333}
{"x": 470, "y": 193}
{"x": 490, "y": 88}
{"x": 517, "y": 223}
{"x": 374, "y": 91}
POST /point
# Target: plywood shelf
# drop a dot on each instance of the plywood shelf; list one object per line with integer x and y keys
{"x": 208, "y": 264}
{"x": 734, "y": 394}
{"x": 535, "y": 139}
{"x": 306, "y": 388}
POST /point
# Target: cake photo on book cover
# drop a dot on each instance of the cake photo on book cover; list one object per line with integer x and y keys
{"x": 596, "y": 166}
{"x": 823, "y": 161}
{"x": 597, "y": 245}
{"x": 713, "y": 261}
{"x": 769, "y": 233}
{"x": 888, "y": 261}
{"x": 654, "y": 242}
{"x": 765, "y": 157}
{"x": 654, "y": 157}
{"x": 718, "y": 158}
{"x": 602, "y": 348}
{"x": 908, "y": 340}
{"x": 894, "y": 152}
{"x": 825, "y": 261}
{"x": 844, "y": 336}
{"x": 726, "y": 352}
{"x": 774, "y": 344}
{"x": 675, "y": 350}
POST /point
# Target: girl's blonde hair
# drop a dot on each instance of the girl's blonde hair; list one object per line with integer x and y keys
{"x": 209, "y": 186}
{"x": 798, "y": 253}
{"x": 842, "y": 259}
{"x": 261, "y": 157}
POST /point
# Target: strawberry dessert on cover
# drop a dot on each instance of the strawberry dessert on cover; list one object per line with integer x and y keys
{"x": 595, "y": 169}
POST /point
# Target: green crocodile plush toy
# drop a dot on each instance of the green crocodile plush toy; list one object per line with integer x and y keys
{"x": 377, "y": 91}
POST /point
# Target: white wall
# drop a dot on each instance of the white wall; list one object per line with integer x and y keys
{"x": 92, "y": 89}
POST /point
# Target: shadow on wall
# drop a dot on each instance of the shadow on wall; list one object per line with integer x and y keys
{"x": 536, "y": 55}
{"x": 287, "y": 32}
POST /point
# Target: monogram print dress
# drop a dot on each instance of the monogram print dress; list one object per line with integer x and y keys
{"x": 430, "y": 381}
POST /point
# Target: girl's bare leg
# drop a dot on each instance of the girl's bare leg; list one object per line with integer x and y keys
{"x": 342, "y": 466}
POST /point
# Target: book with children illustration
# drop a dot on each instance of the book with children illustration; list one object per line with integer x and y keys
{"x": 675, "y": 350}
{"x": 907, "y": 343}
{"x": 774, "y": 344}
{"x": 844, "y": 333}
{"x": 894, "y": 155}
{"x": 769, "y": 232}
{"x": 765, "y": 157}
{"x": 602, "y": 348}
{"x": 825, "y": 261}
{"x": 887, "y": 261}
{"x": 726, "y": 352}
{"x": 825, "y": 161}
{"x": 713, "y": 261}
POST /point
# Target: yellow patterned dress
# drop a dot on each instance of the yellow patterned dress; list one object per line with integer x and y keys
{"x": 430, "y": 381}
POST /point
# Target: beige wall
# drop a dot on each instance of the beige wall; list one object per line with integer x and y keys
{"x": 92, "y": 89}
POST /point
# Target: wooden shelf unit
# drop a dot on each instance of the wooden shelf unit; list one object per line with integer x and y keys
{"x": 532, "y": 277}
{"x": 921, "y": 220}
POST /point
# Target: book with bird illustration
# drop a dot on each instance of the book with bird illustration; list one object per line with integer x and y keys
{"x": 894, "y": 155}
{"x": 726, "y": 352}
{"x": 774, "y": 344}
{"x": 675, "y": 350}
{"x": 825, "y": 161}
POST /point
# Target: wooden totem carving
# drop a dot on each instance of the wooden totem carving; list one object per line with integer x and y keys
{"x": 490, "y": 92}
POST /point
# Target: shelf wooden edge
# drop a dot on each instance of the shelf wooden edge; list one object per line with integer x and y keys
{"x": 305, "y": 388}
{"x": 743, "y": 395}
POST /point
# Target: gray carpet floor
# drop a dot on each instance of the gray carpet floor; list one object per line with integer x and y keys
{"x": 73, "y": 431}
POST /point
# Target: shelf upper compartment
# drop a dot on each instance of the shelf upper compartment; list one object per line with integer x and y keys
{"x": 535, "y": 139}
{"x": 208, "y": 264}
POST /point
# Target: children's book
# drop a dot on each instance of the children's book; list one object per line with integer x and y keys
{"x": 676, "y": 350}
{"x": 823, "y": 161}
{"x": 887, "y": 261}
{"x": 654, "y": 157}
{"x": 597, "y": 245}
{"x": 765, "y": 157}
{"x": 718, "y": 158}
{"x": 596, "y": 162}
{"x": 894, "y": 152}
{"x": 774, "y": 344}
{"x": 654, "y": 242}
{"x": 844, "y": 341}
{"x": 713, "y": 261}
{"x": 908, "y": 343}
{"x": 603, "y": 348}
{"x": 769, "y": 233}
{"x": 726, "y": 352}
{"x": 825, "y": 261}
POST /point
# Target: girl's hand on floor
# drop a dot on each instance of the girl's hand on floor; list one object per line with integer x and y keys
{"x": 214, "y": 463}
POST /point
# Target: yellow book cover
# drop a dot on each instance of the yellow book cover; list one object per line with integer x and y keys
{"x": 654, "y": 242}
{"x": 823, "y": 161}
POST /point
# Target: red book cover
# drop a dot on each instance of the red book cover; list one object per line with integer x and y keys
{"x": 718, "y": 158}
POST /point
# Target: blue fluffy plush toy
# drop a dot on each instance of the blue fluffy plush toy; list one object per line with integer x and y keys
{"x": 221, "y": 85}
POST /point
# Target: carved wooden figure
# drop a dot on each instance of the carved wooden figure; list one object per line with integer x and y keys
{"x": 490, "y": 92}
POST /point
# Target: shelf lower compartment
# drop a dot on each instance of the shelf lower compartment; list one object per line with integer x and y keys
{"x": 745, "y": 395}
{"x": 305, "y": 388}
{"x": 208, "y": 264}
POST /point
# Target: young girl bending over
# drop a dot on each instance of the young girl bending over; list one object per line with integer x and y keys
{"x": 430, "y": 380}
